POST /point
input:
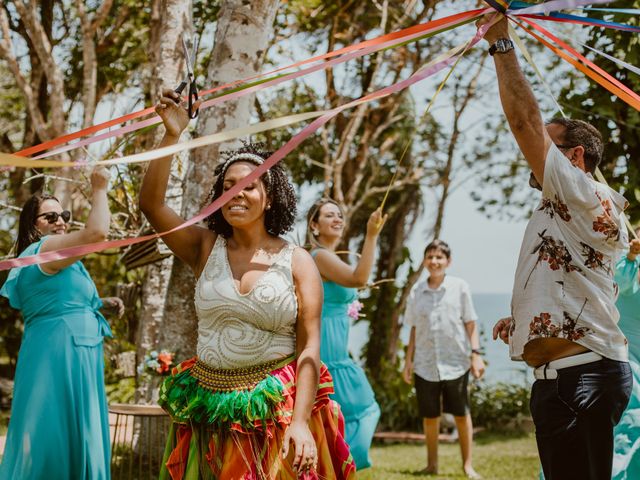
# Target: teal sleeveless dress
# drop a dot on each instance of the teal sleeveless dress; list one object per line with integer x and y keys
{"x": 59, "y": 426}
{"x": 352, "y": 389}
{"x": 626, "y": 455}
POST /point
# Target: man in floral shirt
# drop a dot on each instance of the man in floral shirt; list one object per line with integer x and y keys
{"x": 564, "y": 319}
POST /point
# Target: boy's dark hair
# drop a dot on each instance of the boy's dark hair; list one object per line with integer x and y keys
{"x": 579, "y": 132}
{"x": 280, "y": 217}
{"x": 27, "y": 231}
{"x": 439, "y": 245}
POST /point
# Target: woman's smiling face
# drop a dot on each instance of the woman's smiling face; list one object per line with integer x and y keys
{"x": 58, "y": 227}
{"x": 248, "y": 205}
{"x": 330, "y": 223}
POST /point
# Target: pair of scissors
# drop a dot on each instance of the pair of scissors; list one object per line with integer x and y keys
{"x": 189, "y": 79}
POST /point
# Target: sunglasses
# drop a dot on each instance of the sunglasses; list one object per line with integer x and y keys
{"x": 52, "y": 217}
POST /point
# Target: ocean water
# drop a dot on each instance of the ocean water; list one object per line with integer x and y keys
{"x": 490, "y": 307}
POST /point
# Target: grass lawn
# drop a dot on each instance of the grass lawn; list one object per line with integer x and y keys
{"x": 495, "y": 457}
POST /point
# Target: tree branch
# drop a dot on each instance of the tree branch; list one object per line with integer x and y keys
{"x": 42, "y": 46}
{"x": 6, "y": 52}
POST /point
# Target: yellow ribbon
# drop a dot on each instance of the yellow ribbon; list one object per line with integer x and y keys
{"x": 8, "y": 159}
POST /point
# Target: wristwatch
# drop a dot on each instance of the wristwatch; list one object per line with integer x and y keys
{"x": 476, "y": 351}
{"x": 502, "y": 45}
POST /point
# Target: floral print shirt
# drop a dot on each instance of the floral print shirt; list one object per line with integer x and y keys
{"x": 443, "y": 349}
{"x": 564, "y": 284}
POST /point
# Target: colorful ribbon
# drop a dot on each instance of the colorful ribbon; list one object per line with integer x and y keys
{"x": 592, "y": 22}
{"x": 428, "y": 29}
{"x": 354, "y": 51}
{"x": 424, "y": 72}
{"x": 500, "y": 5}
{"x": 16, "y": 161}
{"x": 587, "y": 67}
{"x": 554, "y": 5}
{"x": 402, "y": 36}
{"x": 625, "y": 11}
{"x": 622, "y": 64}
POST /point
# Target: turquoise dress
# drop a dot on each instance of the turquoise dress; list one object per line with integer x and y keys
{"x": 352, "y": 390}
{"x": 626, "y": 460}
{"x": 59, "y": 426}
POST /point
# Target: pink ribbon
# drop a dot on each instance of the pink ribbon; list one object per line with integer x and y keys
{"x": 255, "y": 174}
{"x": 276, "y": 81}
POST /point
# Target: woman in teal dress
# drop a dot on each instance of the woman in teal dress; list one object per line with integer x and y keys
{"x": 626, "y": 459}
{"x": 340, "y": 280}
{"x": 59, "y": 426}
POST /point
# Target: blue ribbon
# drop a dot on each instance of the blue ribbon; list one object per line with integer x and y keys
{"x": 596, "y": 22}
{"x": 627, "y": 11}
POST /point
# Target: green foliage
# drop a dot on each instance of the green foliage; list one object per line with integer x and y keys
{"x": 12, "y": 114}
{"x": 118, "y": 50}
{"x": 397, "y": 400}
{"x": 121, "y": 391}
{"x": 500, "y": 407}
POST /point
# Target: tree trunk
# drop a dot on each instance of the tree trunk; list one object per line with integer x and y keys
{"x": 243, "y": 31}
{"x": 170, "y": 19}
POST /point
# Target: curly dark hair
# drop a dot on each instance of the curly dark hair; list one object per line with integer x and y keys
{"x": 281, "y": 216}
{"x": 27, "y": 231}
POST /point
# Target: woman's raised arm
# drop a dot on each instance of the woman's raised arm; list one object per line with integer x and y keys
{"x": 185, "y": 243}
{"x": 96, "y": 227}
{"x": 334, "y": 269}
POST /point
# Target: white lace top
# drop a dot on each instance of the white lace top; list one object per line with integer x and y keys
{"x": 236, "y": 330}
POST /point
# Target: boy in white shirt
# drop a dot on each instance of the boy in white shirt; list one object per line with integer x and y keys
{"x": 443, "y": 325}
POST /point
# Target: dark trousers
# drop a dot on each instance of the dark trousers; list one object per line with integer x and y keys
{"x": 574, "y": 416}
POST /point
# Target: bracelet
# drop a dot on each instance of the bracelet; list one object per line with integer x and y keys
{"x": 477, "y": 351}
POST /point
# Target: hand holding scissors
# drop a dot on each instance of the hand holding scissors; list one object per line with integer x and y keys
{"x": 189, "y": 79}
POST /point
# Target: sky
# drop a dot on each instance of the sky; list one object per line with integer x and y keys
{"x": 484, "y": 251}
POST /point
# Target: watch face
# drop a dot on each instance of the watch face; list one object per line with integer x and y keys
{"x": 502, "y": 45}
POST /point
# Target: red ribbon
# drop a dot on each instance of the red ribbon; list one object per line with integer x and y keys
{"x": 587, "y": 67}
{"x": 131, "y": 116}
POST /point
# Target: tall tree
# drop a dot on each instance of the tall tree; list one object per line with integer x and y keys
{"x": 170, "y": 20}
{"x": 242, "y": 32}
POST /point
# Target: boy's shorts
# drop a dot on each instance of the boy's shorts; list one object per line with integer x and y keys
{"x": 450, "y": 396}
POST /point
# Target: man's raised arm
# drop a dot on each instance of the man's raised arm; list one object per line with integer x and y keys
{"x": 519, "y": 104}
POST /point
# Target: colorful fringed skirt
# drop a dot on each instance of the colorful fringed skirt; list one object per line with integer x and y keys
{"x": 230, "y": 424}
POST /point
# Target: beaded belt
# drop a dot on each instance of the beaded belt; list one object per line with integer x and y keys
{"x": 228, "y": 380}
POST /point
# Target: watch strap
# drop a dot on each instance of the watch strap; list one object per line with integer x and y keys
{"x": 502, "y": 45}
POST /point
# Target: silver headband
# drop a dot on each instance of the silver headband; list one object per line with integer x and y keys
{"x": 244, "y": 156}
